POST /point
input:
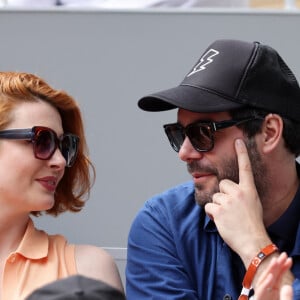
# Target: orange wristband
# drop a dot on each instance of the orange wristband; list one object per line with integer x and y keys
{"x": 248, "y": 278}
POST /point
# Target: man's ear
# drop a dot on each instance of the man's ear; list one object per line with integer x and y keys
{"x": 272, "y": 129}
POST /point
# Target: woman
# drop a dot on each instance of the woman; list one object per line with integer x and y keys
{"x": 44, "y": 168}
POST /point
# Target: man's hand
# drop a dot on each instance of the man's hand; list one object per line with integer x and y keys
{"x": 237, "y": 210}
{"x": 269, "y": 284}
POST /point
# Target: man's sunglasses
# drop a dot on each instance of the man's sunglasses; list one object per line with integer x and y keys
{"x": 200, "y": 134}
{"x": 45, "y": 142}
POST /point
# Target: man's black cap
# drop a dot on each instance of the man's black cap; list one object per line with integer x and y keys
{"x": 233, "y": 74}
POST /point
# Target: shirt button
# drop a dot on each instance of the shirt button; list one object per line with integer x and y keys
{"x": 227, "y": 297}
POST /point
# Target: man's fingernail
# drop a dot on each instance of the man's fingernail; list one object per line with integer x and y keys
{"x": 238, "y": 142}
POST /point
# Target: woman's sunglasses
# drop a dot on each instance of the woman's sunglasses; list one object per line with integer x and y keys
{"x": 45, "y": 142}
{"x": 200, "y": 134}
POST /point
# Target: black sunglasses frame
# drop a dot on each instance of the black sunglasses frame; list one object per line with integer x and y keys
{"x": 210, "y": 126}
{"x": 32, "y": 134}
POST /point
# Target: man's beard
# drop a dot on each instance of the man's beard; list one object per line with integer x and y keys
{"x": 229, "y": 170}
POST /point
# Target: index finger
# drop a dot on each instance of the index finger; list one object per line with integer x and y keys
{"x": 245, "y": 169}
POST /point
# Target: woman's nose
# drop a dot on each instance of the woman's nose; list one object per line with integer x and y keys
{"x": 57, "y": 160}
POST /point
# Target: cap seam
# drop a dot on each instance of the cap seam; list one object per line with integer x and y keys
{"x": 250, "y": 63}
{"x": 235, "y": 100}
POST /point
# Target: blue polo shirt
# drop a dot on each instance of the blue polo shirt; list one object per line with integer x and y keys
{"x": 176, "y": 252}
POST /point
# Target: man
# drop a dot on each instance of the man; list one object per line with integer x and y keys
{"x": 238, "y": 131}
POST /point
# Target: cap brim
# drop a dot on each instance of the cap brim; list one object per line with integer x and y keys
{"x": 189, "y": 98}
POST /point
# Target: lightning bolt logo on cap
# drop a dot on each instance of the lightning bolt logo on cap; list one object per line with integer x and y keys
{"x": 204, "y": 61}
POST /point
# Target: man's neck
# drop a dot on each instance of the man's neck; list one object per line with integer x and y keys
{"x": 280, "y": 195}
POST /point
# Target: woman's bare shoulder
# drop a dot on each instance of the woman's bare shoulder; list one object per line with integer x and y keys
{"x": 97, "y": 263}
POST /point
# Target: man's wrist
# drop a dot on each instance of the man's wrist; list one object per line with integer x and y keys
{"x": 253, "y": 266}
{"x": 253, "y": 249}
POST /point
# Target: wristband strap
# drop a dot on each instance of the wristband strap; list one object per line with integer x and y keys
{"x": 248, "y": 278}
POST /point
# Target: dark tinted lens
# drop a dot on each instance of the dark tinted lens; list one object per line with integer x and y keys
{"x": 44, "y": 144}
{"x": 175, "y": 135}
{"x": 200, "y": 136}
{"x": 69, "y": 148}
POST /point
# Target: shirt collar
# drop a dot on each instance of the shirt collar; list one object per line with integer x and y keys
{"x": 34, "y": 244}
{"x": 287, "y": 225}
{"x": 209, "y": 224}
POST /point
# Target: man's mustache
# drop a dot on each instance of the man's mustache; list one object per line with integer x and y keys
{"x": 195, "y": 166}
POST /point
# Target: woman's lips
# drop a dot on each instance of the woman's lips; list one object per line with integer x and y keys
{"x": 49, "y": 183}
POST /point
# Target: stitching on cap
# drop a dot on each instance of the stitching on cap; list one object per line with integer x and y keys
{"x": 250, "y": 63}
{"x": 214, "y": 92}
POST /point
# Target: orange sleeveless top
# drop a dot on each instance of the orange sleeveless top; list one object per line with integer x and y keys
{"x": 39, "y": 259}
